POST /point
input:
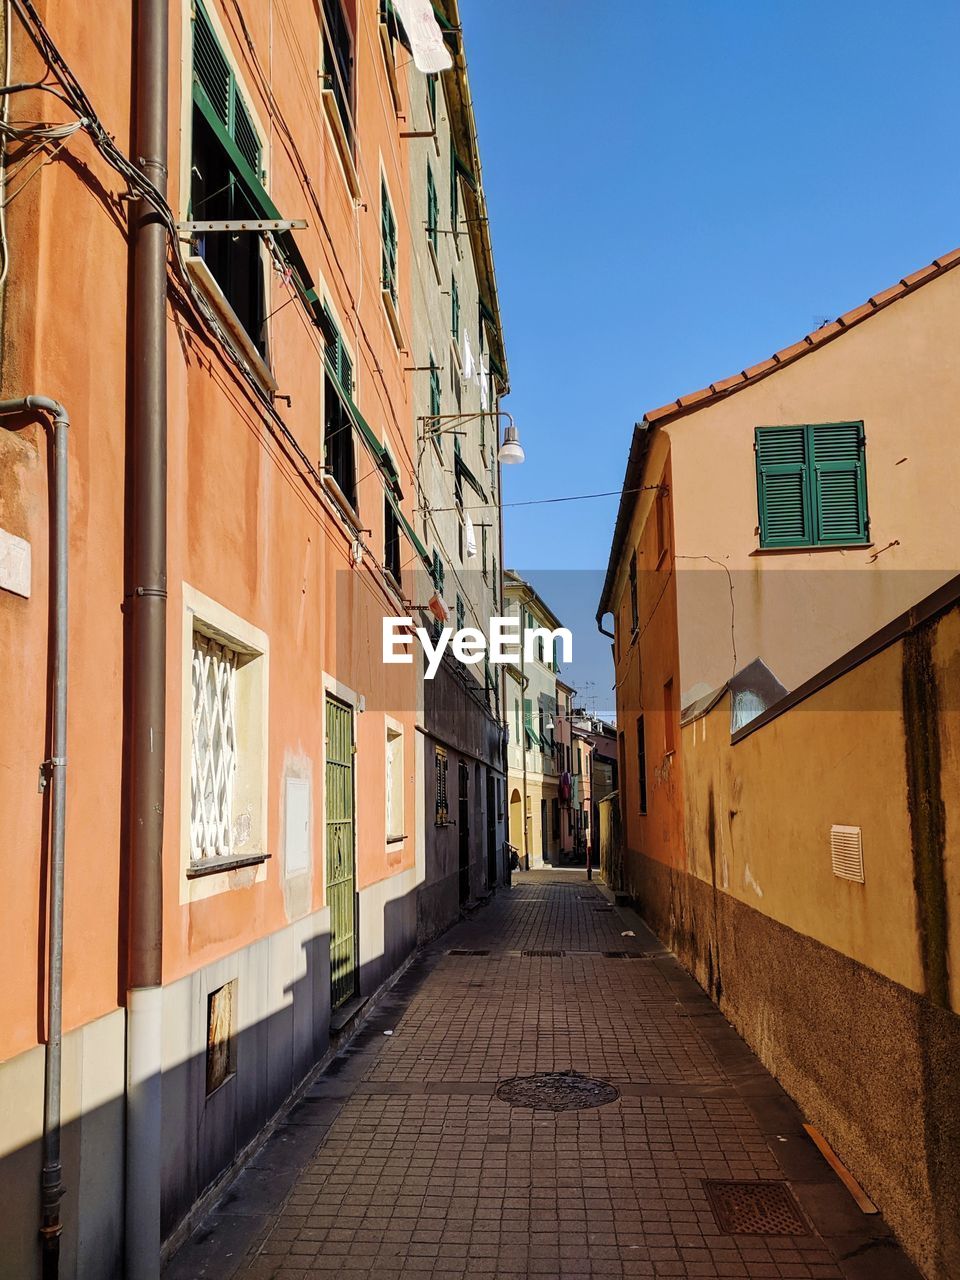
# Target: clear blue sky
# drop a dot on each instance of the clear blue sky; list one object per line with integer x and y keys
{"x": 679, "y": 187}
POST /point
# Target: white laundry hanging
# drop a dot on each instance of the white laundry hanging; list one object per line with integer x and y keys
{"x": 484, "y": 378}
{"x": 426, "y": 39}
{"x": 469, "y": 368}
{"x": 469, "y": 538}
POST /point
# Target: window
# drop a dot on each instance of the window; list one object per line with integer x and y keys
{"x": 669, "y": 737}
{"x": 339, "y": 458}
{"x": 338, "y": 63}
{"x": 454, "y": 309}
{"x": 435, "y": 401}
{"x": 394, "y": 782}
{"x": 634, "y": 607}
{"x": 483, "y": 551}
{"x": 812, "y": 485}
{"x": 225, "y": 180}
{"x": 391, "y": 540}
{"x": 642, "y": 764}
{"x": 221, "y": 1046}
{"x": 226, "y": 749}
{"x": 432, "y": 99}
{"x": 555, "y": 814}
{"x": 660, "y": 511}
{"x": 214, "y": 764}
{"x": 516, "y": 717}
{"x": 388, "y": 237}
{"x": 461, "y": 614}
{"x": 441, "y": 805}
{"x": 433, "y": 211}
{"x": 454, "y": 193}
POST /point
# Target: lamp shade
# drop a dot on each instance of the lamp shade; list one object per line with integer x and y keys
{"x": 511, "y": 450}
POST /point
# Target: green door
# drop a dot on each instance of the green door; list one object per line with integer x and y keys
{"x": 341, "y": 874}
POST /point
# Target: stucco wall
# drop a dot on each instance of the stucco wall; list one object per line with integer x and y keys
{"x": 799, "y": 610}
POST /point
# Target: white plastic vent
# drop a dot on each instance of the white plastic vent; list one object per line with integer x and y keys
{"x": 846, "y": 853}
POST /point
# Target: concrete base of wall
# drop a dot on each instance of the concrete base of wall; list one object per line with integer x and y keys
{"x": 92, "y": 1151}
{"x": 872, "y": 1064}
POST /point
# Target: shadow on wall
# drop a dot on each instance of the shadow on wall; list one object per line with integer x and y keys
{"x": 216, "y": 1098}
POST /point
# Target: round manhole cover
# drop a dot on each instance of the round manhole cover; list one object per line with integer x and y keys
{"x": 557, "y": 1091}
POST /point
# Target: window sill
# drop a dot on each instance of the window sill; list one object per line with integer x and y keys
{"x": 393, "y": 582}
{"x": 344, "y": 504}
{"x": 396, "y": 839}
{"x": 389, "y": 61}
{"x": 344, "y": 150}
{"x": 390, "y": 307}
{"x": 812, "y": 547}
{"x": 243, "y": 346}
{"x": 217, "y": 866}
{"x": 433, "y": 257}
{"x": 662, "y": 557}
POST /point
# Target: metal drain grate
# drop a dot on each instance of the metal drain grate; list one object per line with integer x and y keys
{"x": 557, "y": 1091}
{"x": 616, "y": 955}
{"x": 458, "y": 951}
{"x": 755, "y": 1209}
{"x": 541, "y": 953}
{"x": 603, "y": 908}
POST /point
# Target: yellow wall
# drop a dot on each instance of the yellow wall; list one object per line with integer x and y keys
{"x": 762, "y": 809}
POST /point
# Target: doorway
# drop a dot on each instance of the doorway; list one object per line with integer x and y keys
{"x": 463, "y": 821}
{"x": 341, "y": 853}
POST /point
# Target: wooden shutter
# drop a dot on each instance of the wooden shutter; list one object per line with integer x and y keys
{"x": 782, "y": 486}
{"x": 212, "y": 75}
{"x": 839, "y": 482}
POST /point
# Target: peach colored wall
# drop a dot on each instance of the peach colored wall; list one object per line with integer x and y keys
{"x": 799, "y": 610}
{"x": 244, "y": 529}
{"x": 643, "y": 665}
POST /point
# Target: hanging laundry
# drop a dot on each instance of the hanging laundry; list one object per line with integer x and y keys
{"x": 469, "y": 368}
{"x": 484, "y": 380}
{"x": 469, "y": 538}
{"x": 426, "y": 39}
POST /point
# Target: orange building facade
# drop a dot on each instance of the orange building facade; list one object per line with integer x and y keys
{"x": 218, "y": 940}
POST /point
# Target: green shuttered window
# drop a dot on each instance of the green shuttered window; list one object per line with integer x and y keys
{"x": 812, "y": 485}
{"x": 433, "y": 211}
{"x": 388, "y": 242}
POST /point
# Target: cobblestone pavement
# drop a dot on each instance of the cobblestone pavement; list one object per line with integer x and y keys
{"x": 401, "y": 1161}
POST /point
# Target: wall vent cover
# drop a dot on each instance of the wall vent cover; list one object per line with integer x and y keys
{"x": 846, "y": 853}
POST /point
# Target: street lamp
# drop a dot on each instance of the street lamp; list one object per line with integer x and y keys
{"x": 510, "y": 451}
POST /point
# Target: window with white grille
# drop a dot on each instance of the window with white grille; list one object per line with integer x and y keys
{"x": 846, "y": 853}
{"x": 214, "y": 755}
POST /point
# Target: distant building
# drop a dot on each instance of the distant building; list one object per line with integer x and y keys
{"x": 532, "y": 709}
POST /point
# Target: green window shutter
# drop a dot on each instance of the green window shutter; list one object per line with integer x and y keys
{"x": 783, "y": 486}
{"x": 388, "y": 236}
{"x": 839, "y": 482}
{"x": 454, "y": 189}
{"x": 433, "y": 210}
{"x": 437, "y": 572}
{"x": 434, "y": 391}
{"x": 461, "y": 614}
{"x": 337, "y": 358}
{"x": 454, "y": 309}
{"x": 214, "y": 79}
{"x": 432, "y": 98}
{"x": 210, "y": 68}
{"x": 812, "y": 485}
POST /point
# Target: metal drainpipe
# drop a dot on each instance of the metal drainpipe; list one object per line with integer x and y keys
{"x": 54, "y": 770}
{"x": 148, "y": 608}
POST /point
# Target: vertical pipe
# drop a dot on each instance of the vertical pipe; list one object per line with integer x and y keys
{"x": 54, "y": 771}
{"x": 148, "y": 443}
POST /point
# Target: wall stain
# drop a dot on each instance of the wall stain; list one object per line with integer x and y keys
{"x": 921, "y": 720}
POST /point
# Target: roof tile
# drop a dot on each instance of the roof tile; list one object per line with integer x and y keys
{"x": 888, "y": 295}
{"x": 916, "y": 277}
{"x": 789, "y": 352}
{"x": 948, "y": 259}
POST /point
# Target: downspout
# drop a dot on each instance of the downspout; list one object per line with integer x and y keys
{"x": 54, "y": 771}
{"x": 148, "y": 609}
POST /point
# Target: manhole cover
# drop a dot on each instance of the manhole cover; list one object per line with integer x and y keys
{"x": 541, "y": 953}
{"x": 557, "y": 1091}
{"x": 755, "y": 1209}
{"x": 460, "y": 952}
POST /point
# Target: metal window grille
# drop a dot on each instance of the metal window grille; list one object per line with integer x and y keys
{"x": 213, "y": 764}
{"x": 442, "y": 812}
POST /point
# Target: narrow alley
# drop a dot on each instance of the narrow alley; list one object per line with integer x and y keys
{"x": 403, "y": 1159}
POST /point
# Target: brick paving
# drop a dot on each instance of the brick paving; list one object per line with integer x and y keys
{"x": 400, "y": 1161}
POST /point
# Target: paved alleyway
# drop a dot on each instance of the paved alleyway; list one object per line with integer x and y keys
{"x": 401, "y": 1161}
